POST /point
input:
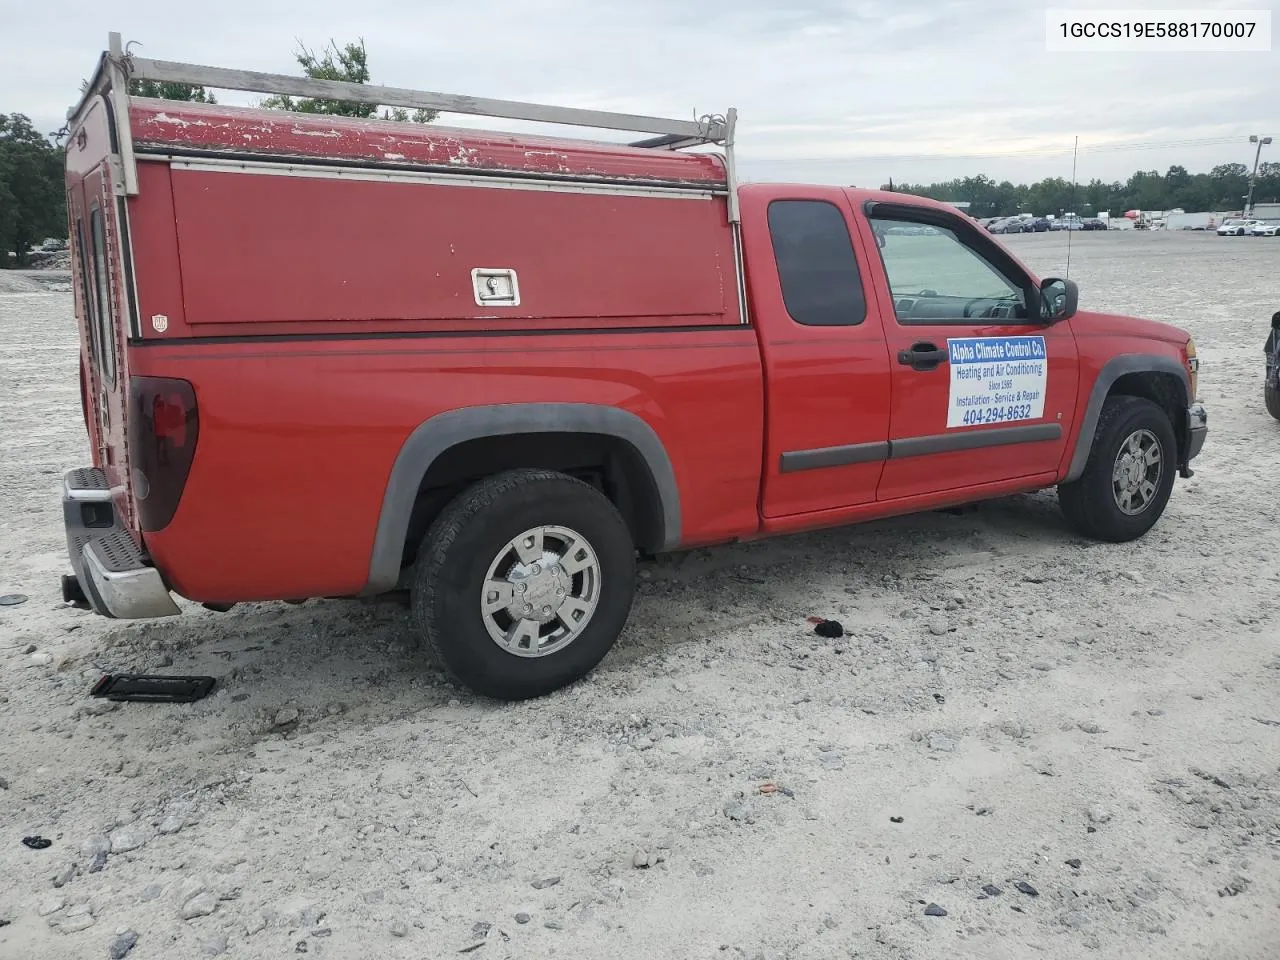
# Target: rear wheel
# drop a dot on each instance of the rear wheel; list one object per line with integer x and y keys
{"x": 1129, "y": 475}
{"x": 523, "y": 583}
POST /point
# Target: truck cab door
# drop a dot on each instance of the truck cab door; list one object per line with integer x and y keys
{"x": 983, "y": 388}
{"x": 825, "y": 364}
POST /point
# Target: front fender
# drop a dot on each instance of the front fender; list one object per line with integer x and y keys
{"x": 1113, "y": 370}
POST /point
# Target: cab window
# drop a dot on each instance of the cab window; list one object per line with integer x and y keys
{"x": 935, "y": 277}
{"x": 821, "y": 285}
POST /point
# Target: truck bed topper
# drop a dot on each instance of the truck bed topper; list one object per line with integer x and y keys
{"x": 150, "y": 126}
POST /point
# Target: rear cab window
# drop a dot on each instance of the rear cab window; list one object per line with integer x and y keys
{"x": 817, "y": 268}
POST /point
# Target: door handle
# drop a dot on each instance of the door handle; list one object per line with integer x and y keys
{"x": 922, "y": 356}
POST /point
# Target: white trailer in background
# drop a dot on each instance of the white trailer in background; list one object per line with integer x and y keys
{"x": 1191, "y": 221}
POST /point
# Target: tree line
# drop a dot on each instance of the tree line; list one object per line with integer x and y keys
{"x": 1221, "y": 189}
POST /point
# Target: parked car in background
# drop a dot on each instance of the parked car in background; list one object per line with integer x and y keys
{"x": 1271, "y": 389}
{"x": 1068, "y": 223}
{"x": 1266, "y": 228}
{"x": 1039, "y": 225}
{"x": 1237, "y": 228}
{"x": 1093, "y": 223}
{"x": 1008, "y": 225}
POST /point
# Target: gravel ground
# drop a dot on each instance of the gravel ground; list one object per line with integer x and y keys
{"x": 1071, "y": 749}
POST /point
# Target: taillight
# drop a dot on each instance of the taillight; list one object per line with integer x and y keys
{"x": 164, "y": 424}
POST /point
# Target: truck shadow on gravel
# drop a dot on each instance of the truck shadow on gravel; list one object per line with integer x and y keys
{"x": 337, "y": 655}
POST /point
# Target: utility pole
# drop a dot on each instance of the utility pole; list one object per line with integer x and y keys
{"x": 1257, "y": 155}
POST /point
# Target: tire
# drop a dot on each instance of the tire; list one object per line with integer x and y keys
{"x": 1091, "y": 503}
{"x": 467, "y": 544}
{"x": 1272, "y": 396}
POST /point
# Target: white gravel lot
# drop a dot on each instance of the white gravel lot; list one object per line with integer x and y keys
{"x": 1101, "y": 723}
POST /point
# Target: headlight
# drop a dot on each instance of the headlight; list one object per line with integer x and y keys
{"x": 1193, "y": 365}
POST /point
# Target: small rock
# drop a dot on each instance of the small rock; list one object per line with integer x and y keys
{"x": 1023, "y": 887}
{"x": 991, "y": 890}
{"x": 51, "y": 905}
{"x": 75, "y": 924}
{"x": 523, "y": 918}
{"x": 1133, "y": 576}
{"x": 641, "y": 860}
{"x": 285, "y": 717}
{"x": 1073, "y": 863}
{"x": 150, "y": 892}
{"x": 122, "y": 944}
{"x": 1237, "y": 886}
{"x": 201, "y": 905}
{"x": 170, "y": 825}
{"x": 65, "y": 875}
{"x": 554, "y": 925}
{"x": 735, "y": 810}
{"x": 942, "y": 744}
{"x": 1004, "y": 674}
{"x": 4, "y": 784}
{"x": 130, "y": 838}
{"x": 254, "y": 925}
{"x": 42, "y": 659}
{"x": 95, "y": 845}
{"x": 830, "y": 629}
{"x": 543, "y": 884}
{"x": 214, "y": 946}
{"x": 399, "y": 928}
{"x": 938, "y": 626}
{"x": 1044, "y": 666}
{"x": 99, "y": 861}
{"x": 1099, "y": 814}
{"x": 99, "y": 708}
{"x": 933, "y": 910}
{"x": 1157, "y": 712}
{"x": 968, "y": 649}
{"x": 1013, "y": 729}
{"x": 1090, "y": 727}
{"x": 897, "y": 819}
{"x": 29, "y": 648}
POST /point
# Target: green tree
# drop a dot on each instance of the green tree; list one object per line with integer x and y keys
{"x": 349, "y": 62}
{"x": 170, "y": 91}
{"x": 32, "y": 203}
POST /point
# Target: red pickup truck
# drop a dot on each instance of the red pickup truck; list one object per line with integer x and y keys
{"x": 329, "y": 357}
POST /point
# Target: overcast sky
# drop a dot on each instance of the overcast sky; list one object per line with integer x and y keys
{"x": 827, "y": 90}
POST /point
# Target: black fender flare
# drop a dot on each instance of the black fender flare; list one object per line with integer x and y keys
{"x": 433, "y": 437}
{"x": 1113, "y": 370}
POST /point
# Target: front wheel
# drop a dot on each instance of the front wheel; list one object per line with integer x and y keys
{"x": 523, "y": 583}
{"x": 1271, "y": 395}
{"x": 1129, "y": 475}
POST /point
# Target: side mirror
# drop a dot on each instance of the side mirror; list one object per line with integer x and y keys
{"x": 1058, "y": 299}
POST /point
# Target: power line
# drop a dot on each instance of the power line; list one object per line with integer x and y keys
{"x": 1004, "y": 154}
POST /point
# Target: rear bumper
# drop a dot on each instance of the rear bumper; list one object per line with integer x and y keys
{"x": 113, "y": 574}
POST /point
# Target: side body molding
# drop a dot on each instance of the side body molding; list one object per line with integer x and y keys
{"x": 1114, "y": 369}
{"x": 433, "y": 437}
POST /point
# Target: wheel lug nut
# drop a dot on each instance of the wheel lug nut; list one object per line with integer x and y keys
{"x": 521, "y": 588}
{"x": 546, "y": 610}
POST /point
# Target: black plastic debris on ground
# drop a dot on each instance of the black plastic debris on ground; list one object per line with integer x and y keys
{"x": 1023, "y": 887}
{"x": 831, "y": 629}
{"x": 933, "y": 910}
{"x": 991, "y": 890}
{"x": 37, "y": 843}
{"x": 152, "y": 689}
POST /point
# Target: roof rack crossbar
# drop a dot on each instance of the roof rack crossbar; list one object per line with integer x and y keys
{"x": 706, "y": 130}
